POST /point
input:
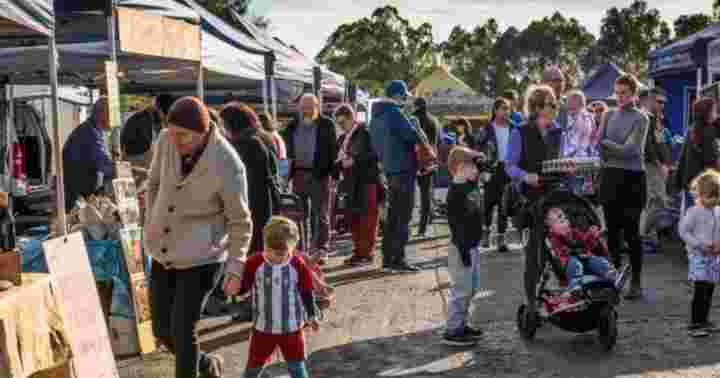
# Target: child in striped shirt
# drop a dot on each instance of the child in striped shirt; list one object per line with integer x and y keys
{"x": 283, "y": 300}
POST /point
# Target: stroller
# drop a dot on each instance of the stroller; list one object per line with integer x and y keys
{"x": 593, "y": 305}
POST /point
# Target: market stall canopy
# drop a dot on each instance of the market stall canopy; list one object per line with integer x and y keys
{"x": 22, "y": 17}
{"x": 232, "y": 60}
{"x": 214, "y": 25}
{"x": 80, "y": 63}
{"x": 441, "y": 80}
{"x": 153, "y": 35}
{"x": 601, "y": 83}
{"x": 684, "y": 55}
{"x": 226, "y": 68}
{"x": 289, "y": 64}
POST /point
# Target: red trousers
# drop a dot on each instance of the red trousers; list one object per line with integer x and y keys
{"x": 262, "y": 346}
{"x": 364, "y": 227}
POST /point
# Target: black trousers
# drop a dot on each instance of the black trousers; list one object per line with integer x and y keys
{"x": 426, "y": 183}
{"x": 401, "y": 201}
{"x": 177, "y": 299}
{"x": 701, "y": 302}
{"x": 623, "y": 195}
{"x": 494, "y": 191}
{"x": 534, "y": 263}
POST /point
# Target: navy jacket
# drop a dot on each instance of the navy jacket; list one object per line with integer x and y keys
{"x": 86, "y": 162}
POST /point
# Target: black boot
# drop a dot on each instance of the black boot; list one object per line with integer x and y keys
{"x": 502, "y": 246}
{"x": 486, "y": 238}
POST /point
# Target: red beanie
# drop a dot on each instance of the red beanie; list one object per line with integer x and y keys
{"x": 190, "y": 113}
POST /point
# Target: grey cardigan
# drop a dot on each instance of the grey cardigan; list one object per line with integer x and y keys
{"x": 204, "y": 217}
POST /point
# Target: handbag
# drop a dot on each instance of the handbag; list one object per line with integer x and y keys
{"x": 425, "y": 155}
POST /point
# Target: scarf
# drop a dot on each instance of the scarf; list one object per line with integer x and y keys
{"x": 344, "y": 152}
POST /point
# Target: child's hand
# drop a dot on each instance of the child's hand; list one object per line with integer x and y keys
{"x": 327, "y": 291}
{"x": 313, "y": 324}
{"x": 708, "y": 248}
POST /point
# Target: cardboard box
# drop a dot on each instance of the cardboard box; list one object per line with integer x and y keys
{"x": 10, "y": 267}
{"x": 4, "y": 200}
{"x": 123, "y": 337}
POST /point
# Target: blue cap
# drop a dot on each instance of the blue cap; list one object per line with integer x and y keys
{"x": 397, "y": 88}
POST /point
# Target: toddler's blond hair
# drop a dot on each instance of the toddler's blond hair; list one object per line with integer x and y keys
{"x": 456, "y": 157}
{"x": 280, "y": 233}
{"x": 707, "y": 187}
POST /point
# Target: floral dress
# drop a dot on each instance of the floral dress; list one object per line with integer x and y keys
{"x": 698, "y": 226}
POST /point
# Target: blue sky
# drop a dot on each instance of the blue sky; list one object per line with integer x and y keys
{"x": 308, "y": 23}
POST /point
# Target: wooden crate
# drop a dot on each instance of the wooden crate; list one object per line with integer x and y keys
{"x": 61, "y": 371}
{"x": 10, "y": 267}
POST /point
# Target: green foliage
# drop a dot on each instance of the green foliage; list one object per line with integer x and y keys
{"x": 687, "y": 25}
{"x": 383, "y": 47}
{"x": 629, "y": 34}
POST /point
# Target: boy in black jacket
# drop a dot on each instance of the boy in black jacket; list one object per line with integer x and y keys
{"x": 465, "y": 217}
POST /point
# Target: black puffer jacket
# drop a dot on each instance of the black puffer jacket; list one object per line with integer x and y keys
{"x": 465, "y": 217}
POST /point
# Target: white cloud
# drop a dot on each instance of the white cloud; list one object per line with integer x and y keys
{"x": 308, "y": 23}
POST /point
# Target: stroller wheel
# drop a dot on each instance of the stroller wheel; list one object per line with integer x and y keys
{"x": 607, "y": 328}
{"x": 527, "y": 322}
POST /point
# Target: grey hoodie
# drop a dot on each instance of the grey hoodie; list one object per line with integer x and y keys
{"x": 622, "y": 143}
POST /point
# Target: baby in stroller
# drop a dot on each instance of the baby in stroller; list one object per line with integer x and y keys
{"x": 574, "y": 253}
{"x": 579, "y": 252}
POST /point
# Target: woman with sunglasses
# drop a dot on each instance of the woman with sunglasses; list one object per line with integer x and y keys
{"x": 622, "y": 190}
{"x": 538, "y": 140}
{"x": 198, "y": 219}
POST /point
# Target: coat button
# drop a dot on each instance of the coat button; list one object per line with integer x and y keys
{"x": 167, "y": 230}
{"x": 164, "y": 250}
{"x": 171, "y": 209}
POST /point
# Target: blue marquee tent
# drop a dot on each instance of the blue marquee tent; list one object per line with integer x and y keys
{"x": 681, "y": 68}
{"x": 600, "y": 85}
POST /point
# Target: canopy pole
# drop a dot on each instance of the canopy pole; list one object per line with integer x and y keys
{"x": 110, "y": 13}
{"x": 266, "y": 106}
{"x": 317, "y": 85}
{"x": 269, "y": 84}
{"x": 698, "y": 87}
{"x": 201, "y": 76}
{"x": 201, "y": 82}
{"x": 10, "y": 95}
{"x": 274, "y": 97}
{"x": 57, "y": 146}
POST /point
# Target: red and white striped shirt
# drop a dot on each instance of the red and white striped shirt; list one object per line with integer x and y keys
{"x": 281, "y": 294}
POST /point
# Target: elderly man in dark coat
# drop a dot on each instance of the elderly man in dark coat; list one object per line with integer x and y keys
{"x": 86, "y": 162}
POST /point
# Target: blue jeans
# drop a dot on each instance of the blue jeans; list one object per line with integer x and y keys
{"x": 578, "y": 266}
{"x": 401, "y": 201}
{"x": 297, "y": 369}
